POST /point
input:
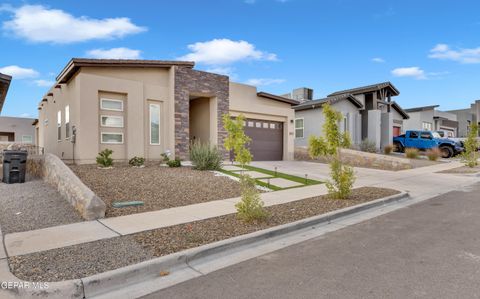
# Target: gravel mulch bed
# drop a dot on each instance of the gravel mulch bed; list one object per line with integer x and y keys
{"x": 33, "y": 205}
{"x": 80, "y": 260}
{"x": 87, "y": 259}
{"x": 159, "y": 187}
{"x": 462, "y": 169}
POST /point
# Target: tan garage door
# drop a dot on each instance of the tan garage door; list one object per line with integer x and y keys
{"x": 267, "y": 139}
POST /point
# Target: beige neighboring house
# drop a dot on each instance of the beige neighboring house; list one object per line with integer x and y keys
{"x": 148, "y": 107}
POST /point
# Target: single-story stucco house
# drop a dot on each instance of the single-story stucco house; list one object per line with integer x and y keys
{"x": 467, "y": 117}
{"x": 430, "y": 119}
{"x": 368, "y": 113}
{"x": 147, "y": 107}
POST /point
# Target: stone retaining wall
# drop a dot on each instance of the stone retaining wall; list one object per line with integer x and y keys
{"x": 361, "y": 159}
{"x": 54, "y": 172}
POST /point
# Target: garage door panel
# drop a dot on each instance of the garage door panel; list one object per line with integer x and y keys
{"x": 267, "y": 140}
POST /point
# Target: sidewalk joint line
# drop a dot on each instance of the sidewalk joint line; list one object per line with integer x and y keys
{"x": 109, "y": 228}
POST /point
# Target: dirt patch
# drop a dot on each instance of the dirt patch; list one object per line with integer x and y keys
{"x": 462, "y": 170}
{"x": 157, "y": 186}
{"x": 74, "y": 262}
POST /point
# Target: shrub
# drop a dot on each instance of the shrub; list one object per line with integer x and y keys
{"x": 137, "y": 161}
{"x": 174, "y": 163}
{"x": 205, "y": 157}
{"x": 250, "y": 208}
{"x": 388, "y": 149}
{"x": 411, "y": 153}
{"x": 368, "y": 146}
{"x": 165, "y": 156}
{"x": 104, "y": 158}
{"x": 343, "y": 178}
{"x": 433, "y": 154}
{"x": 470, "y": 156}
{"x": 236, "y": 139}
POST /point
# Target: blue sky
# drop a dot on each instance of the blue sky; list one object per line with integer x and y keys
{"x": 430, "y": 50}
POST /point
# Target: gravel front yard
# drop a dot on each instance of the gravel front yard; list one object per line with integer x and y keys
{"x": 159, "y": 187}
{"x": 72, "y": 262}
{"x": 33, "y": 205}
{"x": 463, "y": 170}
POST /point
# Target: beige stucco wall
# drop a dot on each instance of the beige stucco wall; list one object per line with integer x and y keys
{"x": 244, "y": 100}
{"x": 200, "y": 120}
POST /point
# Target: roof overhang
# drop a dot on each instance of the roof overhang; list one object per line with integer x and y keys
{"x": 329, "y": 100}
{"x": 277, "y": 98}
{"x": 4, "y": 85}
{"x": 400, "y": 110}
{"x": 423, "y": 108}
{"x": 76, "y": 63}
{"x": 369, "y": 88}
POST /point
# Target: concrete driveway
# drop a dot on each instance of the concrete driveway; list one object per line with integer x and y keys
{"x": 428, "y": 250}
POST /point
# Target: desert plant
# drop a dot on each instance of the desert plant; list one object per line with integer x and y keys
{"x": 104, "y": 158}
{"x": 174, "y": 163}
{"x": 342, "y": 176}
{"x": 411, "y": 153}
{"x": 433, "y": 154}
{"x": 236, "y": 139}
{"x": 368, "y": 146}
{"x": 205, "y": 156}
{"x": 342, "y": 181}
{"x": 165, "y": 156}
{"x": 470, "y": 155}
{"x": 137, "y": 161}
{"x": 250, "y": 207}
{"x": 387, "y": 149}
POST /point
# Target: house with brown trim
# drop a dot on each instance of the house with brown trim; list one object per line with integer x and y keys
{"x": 431, "y": 119}
{"x": 466, "y": 118}
{"x": 368, "y": 113}
{"x": 148, "y": 107}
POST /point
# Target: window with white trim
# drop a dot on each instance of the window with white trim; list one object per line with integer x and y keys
{"x": 112, "y": 138}
{"x": 111, "y": 104}
{"x": 27, "y": 139}
{"x": 67, "y": 122}
{"x": 59, "y": 125}
{"x": 154, "y": 110}
{"x": 426, "y": 126}
{"x": 111, "y": 121}
{"x": 299, "y": 127}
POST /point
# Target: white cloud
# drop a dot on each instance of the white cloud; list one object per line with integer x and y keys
{"x": 444, "y": 52}
{"x": 225, "y": 51}
{"x": 44, "y": 83}
{"x": 36, "y": 23}
{"x": 18, "y": 72}
{"x": 414, "y": 72}
{"x": 378, "y": 60}
{"x": 25, "y": 115}
{"x": 263, "y": 81}
{"x": 115, "y": 53}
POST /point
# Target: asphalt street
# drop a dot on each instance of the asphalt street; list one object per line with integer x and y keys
{"x": 427, "y": 250}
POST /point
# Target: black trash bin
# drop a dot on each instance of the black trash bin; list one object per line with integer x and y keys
{"x": 14, "y": 166}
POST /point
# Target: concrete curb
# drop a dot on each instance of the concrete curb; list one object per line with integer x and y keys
{"x": 103, "y": 284}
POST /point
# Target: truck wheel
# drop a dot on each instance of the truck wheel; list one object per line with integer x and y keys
{"x": 447, "y": 152}
{"x": 397, "y": 147}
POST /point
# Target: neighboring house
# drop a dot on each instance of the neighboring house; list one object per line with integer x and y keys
{"x": 368, "y": 113}
{"x": 17, "y": 129}
{"x": 430, "y": 119}
{"x": 147, "y": 107}
{"x": 466, "y": 117}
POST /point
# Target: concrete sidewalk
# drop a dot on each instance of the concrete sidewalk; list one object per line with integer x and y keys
{"x": 420, "y": 182}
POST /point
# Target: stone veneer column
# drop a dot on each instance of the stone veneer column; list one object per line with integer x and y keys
{"x": 187, "y": 82}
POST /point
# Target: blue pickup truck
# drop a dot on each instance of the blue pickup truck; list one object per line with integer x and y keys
{"x": 424, "y": 140}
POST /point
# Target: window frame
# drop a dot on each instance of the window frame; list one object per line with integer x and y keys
{"x": 67, "y": 122}
{"x": 112, "y": 116}
{"x": 150, "y": 122}
{"x": 300, "y": 128}
{"x": 59, "y": 125}
{"x": 430, "y": 125}
{"x": 31, "y": 139}
{"x": 111, "y": 100}
{"x": 113, "y": 133}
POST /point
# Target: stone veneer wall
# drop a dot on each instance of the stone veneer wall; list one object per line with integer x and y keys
{"x": 187, "y": 82}
{"x": 361, "y": 159}
{"x": 54, "y": 172}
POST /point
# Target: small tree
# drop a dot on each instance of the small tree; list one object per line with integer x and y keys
{"x": 104, "y": 158}
{"x": 236, "y": 139}
{"x": 342, "y": 176}
{"x": 251, "y": 207}
{"x": 470, "y": 156}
